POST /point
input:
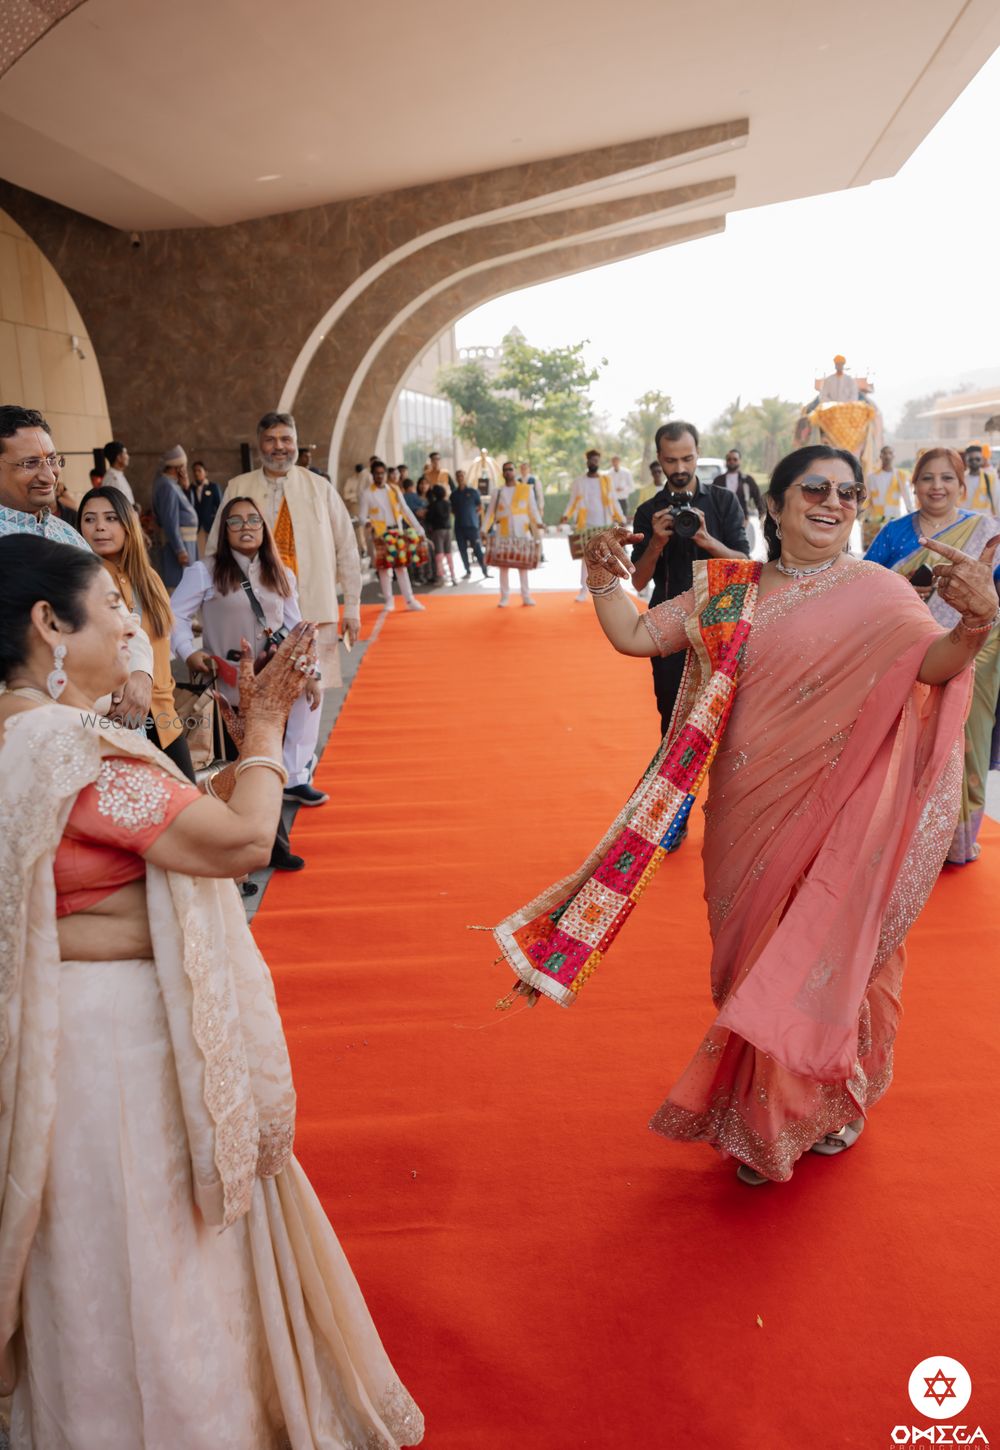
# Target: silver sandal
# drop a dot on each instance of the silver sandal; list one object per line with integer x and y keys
{"x": 833, "y": 1143}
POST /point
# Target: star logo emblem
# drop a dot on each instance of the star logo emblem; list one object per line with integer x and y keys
{"x": 940, "y": 1395}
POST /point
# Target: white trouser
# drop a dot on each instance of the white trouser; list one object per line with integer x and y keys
{"x": 385, "y": 580}
{"x": 505, "y": 582}
{"x": 301, "y": 734}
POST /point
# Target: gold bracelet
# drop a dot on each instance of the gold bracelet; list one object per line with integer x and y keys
{"x": 266, "y": 762}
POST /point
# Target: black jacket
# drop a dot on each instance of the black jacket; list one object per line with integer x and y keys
{"x": 748, "y": 495}
{"x": 723, "y": 519}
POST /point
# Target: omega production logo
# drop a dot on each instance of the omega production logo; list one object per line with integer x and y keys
{"x": 939, "y": 1389}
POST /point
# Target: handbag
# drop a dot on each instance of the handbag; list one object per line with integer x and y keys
{"x": 397, "y": 548}
{"x": 198, "y": 708}
{"x": 512, "y": 552}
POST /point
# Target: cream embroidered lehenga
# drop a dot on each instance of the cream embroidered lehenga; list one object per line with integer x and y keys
{"x": 167, "y": 1275}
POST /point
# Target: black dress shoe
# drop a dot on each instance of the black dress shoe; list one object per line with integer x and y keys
{"x": 305, "y": 795}
{"x": 283, "y": 860}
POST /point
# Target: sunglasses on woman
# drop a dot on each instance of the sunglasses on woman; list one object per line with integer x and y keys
{"x": 817, "y": 489}
{"x": 235, "y": 521}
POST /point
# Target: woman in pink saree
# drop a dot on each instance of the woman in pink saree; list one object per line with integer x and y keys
{"x": 832, "y": 800}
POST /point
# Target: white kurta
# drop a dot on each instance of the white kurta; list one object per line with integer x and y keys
{"x": 622, "y": 483}
{"x": 839, "y": 388}
{"x": 385, "y": 508}
{"x": 586, "y": 501}
{"x": 889, "y": 494}
{"x": 513, "y": 522}
{"x": 114, "y": 478}
{"x": 982, "y": 492}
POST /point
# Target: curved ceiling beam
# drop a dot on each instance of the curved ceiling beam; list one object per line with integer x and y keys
{"x": 339, "y": 368}
{"x": 516, "y": 191}
{"x": 624, "y": 216}
{"x": 375, "y": 403}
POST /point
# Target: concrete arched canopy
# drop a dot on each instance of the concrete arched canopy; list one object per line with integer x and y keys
{"x": 339, "y": 368}
{"x": 376, "y": 399}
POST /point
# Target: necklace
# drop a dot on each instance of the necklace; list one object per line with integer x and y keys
{"x": 805, "y": 573}
{"x": 937, "y": 526}
{"x": 29, "y": 692}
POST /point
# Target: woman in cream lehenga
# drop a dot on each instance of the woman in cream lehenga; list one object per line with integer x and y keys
{"x": 167, "y": 1275}
{"x": 833, "y": 794}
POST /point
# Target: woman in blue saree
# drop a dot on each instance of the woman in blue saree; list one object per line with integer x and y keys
{"x": 939, "y": 487}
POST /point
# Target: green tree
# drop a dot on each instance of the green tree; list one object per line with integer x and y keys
{"x": 486, "y": 416}
{"x": 639, "y": 426}
{"x": 735, "y": 425}
{"x": 774, "y": 422}
{"x": 551, "y": 389}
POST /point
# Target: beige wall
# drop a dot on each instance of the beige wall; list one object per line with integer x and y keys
{"x": 38, "y": 366}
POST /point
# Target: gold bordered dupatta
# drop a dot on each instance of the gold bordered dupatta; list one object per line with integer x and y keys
{"x": 957, "y": 535}
{"x": 232, "y": 1063}
{"x": 557, "y": 941}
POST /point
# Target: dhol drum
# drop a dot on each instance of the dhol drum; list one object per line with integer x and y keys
{"x": 513, "y": 553}
{"x": 397, "y": 548}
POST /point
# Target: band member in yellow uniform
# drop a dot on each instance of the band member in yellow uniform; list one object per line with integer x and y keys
{"x": 592, "y": 505}
{"x": 513, "y": 512}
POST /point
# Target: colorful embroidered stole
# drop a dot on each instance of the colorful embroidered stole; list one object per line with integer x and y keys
{"x": 284, "y": 538}
{"x": 557, "y": 941}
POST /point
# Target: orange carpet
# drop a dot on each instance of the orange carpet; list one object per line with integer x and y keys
{"x": 546, "y": 1273}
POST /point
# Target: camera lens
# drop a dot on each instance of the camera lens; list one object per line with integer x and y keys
{"x": 686, "y": 523}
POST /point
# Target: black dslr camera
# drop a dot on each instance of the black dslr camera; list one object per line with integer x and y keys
{"x": 686, "y": 519}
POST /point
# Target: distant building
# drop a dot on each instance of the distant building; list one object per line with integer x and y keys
{"x": 954, "y": 421}
{"x": 422, "y": 419}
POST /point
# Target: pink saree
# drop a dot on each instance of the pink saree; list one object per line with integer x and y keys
{"x": 831, "y": 804}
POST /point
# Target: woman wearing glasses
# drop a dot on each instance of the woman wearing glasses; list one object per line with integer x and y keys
{"x": 245, "y": 592}
{"x": 939, "y": 485}
{"x": 832, "y": 799}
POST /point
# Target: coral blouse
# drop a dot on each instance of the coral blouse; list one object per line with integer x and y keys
{"x": 112, "y": 822}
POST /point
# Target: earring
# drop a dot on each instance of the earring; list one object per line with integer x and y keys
{"x": 56, "y": 682}
{"x": 777, "y": 530}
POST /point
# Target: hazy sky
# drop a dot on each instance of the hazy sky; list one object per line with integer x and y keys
{"x": 901, "y": 276}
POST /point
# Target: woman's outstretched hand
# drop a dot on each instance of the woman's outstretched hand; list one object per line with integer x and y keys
{"x": 606, "y": 552}
{"x": 272, "y": 692}
{"x": 965, "y": 583}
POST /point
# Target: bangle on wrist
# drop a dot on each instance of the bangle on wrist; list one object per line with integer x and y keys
{"x": 609, "y": 588}
{"x": 980, "y": 628}
{"x": 266, "y": 762}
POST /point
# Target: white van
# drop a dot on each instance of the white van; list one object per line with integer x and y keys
{"x": 709, "y": 468}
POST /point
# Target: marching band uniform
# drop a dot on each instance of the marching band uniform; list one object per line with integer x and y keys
{"x": 513, "y": 511}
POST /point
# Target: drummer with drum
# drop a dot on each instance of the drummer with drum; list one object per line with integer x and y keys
{"x": 513, "y": 526}
{"x": 395, "y": 538}
{"x": 592, "y": 506}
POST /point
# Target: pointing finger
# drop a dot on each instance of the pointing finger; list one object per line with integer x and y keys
{"x": 945, "y": 550}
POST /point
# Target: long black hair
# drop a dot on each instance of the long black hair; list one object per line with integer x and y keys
{"x": 147, "y": 586}
{"x": 32, "y": 570}
{"x": 789, "y": 471}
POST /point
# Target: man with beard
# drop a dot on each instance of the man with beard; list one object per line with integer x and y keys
{"x": 315, "y": 539}
{"x": 665, "y": 557}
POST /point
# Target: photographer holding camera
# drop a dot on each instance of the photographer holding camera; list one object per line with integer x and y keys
{"x": 681, "y": 523}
